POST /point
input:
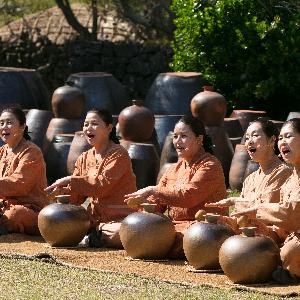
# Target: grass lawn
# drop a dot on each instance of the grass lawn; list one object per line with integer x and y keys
{"x": 26, "y": 279}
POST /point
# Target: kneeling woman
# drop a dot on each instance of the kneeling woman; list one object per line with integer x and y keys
{"x": 103, "y": 173}
{"x": 186, "y": 186}
{"x": 285, "y": 215}
{"x": 22, "y": 175}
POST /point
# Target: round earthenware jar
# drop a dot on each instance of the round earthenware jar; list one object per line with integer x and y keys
{"x": 248, "y": 258}
{"x": 147, "y": 235}
{"x": 202, "y": 241}
{"x": 247, "y": 116}
{"x": 136, "y": 122}
{"x": 171, "y": 92}
{"x": 38, "y": 121}
{"x": 24, "y": 87}
{"x": 68, "y": 102}
{"x": 62, "y": 224}
{"x": 210, "y": 107}
{"x": 168, "y": 153}
{"x": 102, "y": 90}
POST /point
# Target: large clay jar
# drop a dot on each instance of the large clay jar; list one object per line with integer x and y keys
{"x": 136, "y": 122}
{"x": 78, "y": 146}
{"x": 249, "y": 259}
{"x": 247, "y": 116}
{"x": 163, "y": 125}
{"x": 38, "y": 121}
{"x": 68, "y": 102}
{"x": 24, "y": 87}
{"x": 238, "y": 167}
{"x": 233, "y": 127}
{"x": 202, "y": 241}
{"x": 223, "y": 149}
{"x": 58, "y": 126}
{"x": 102, "y": 90}
{"x": 147, "y": 235}
{"x": 62, "y": 224}
{"x": 145, "y": 163}
{"x": 57, "y": 156}
{"x": 168, "y": 153}
{"x": 210, "y": 107}
{"x": 171, "y": 93}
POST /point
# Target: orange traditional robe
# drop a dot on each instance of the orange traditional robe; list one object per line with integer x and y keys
{"x": 22, "y": 184}
{"x": 185, "y": 188}
{"x": 105, "y": 181}
{"x": 285, "y": 216}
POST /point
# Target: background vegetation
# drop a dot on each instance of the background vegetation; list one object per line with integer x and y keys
{"x": 248, "y": 49}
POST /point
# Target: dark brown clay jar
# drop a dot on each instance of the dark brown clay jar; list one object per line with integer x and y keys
{"x": 147, "y": 235}
{"x": 24, "y": 87}
{"x": 145, "y": 163}
{"x": 68, "y": 102}
{"x": 210, "y": 107}
{"x": 171, "y": 92}
{"x": 249, "y": 259}
{"x": 168, "y": 153}
{"x": 136, "y": 122}
{"x": 58, "y": 126}
{"x": 201, "y": 244}
{"x": 78, "y": 146}
{"x": 247, "y": 116}
{"x": 57, "y": 156}
{"x": 102, "y": 90}
{"x": 63, "y": 225}
{"x": 38, "y": 121}
{"x": 233, "y": 127}
{"x": 238, "y": 167}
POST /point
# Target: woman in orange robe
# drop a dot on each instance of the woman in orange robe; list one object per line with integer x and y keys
{"x": 186, "y": 186}
{"x": 263, "y": 185}
{"x": 103, "y": 173}
{"x": 22, "y": 175}
{"x": 285, "y": 215}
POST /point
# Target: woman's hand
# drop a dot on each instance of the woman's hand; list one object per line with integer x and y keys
{"x": 222, "y": 203}
{"x": 62, "y": 182}
{"x": 250, "y": 213}
{"x": 140, "y": 196}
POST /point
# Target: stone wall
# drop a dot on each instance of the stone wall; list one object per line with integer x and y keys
{"x": 134, "y": 65}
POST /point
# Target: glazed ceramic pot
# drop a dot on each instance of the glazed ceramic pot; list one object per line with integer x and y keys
{"x": 24, "y": 87}
{"x": 68, "y": 102}
{"x": 210, "y": 107}
{"x": 171, "y": 93}
{"x": 147, "y": 235}
{"x": 78, "y": 146}
{"x": 248, "y": 258}
{"x": 102, "y": 90}
{"x": 136, "y": 122}
{"x": 38, "y": 121}
{"x": 247, "y": 116}
{"x": 62, "y": 224}
{"x": 168, "y": 153}
{"x": 202, "y": 241}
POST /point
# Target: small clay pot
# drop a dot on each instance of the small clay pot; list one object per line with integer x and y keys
{"x": 210, "y": 107}
{"x": 202, "y": 241}
{"x": 136, "y": 122}
{"x": 68, "y": 102}
{"x": 248, "y": 258}
{"x": 62, "y": 224}
{"x": 147, "y": 235}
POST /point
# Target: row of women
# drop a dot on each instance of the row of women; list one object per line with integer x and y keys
{"x": 270, "y": 196}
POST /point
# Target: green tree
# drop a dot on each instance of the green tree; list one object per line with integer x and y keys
{"x": 248, "y": 49}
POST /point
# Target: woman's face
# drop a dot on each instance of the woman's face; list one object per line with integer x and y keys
{"x": 258, "y": 145}
{"x": 11, "y": 131}
{"x": 289, "y": 145}
{"x": 185, "y": 141}
{"x": 96, "y": 131}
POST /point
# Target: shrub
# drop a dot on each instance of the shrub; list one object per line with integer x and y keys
{"x": 248, "y": 49}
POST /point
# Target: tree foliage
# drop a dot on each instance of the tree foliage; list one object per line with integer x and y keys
{"x": 248, "y": 49}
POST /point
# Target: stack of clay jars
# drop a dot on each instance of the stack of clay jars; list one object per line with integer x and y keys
{"x": 136, "y": 128}
{"x": 67, "y": 106}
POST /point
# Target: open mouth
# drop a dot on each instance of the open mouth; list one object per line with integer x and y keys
{"x": 5, "y": 135}
{"x": 252, "y": 150}
{"x": 285, "y": 151}
{"x": 90, "y": 136}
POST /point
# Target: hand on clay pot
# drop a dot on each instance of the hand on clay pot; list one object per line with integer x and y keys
{"x": 250, "y": 213}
